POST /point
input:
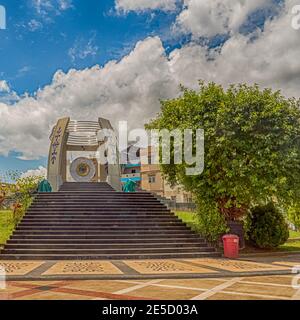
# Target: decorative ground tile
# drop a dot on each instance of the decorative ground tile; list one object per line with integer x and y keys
{"x": 164, "y": 267}
{"x": 288, "y": 263}
{"x": 83, "y": 268}
{"x": 236, "y": 296}
{"x": 282, "y": 280}
{"x": 18, "y": 268}
{"x": 164, "y": 293}
{"x": 236, "y": 265}
{"x": 212, "y": 289}
{"x": 100, "y": 285}
{"x": 193, "y": 283}
{"x": 54, "y": 296}
{"x": 264, "y": 290}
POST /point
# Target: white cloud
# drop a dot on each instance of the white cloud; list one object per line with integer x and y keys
{"x": 209, "y": 18}
{"x": 46, "y": 7}
{"x": 65, "y": 4}
{"x": 144, "y": 5}
{"x": 22, "y": 71}
{"x": 4, "y": 87}
{"x": 40, "y": 172}
{"x": 34, "y": 25}
{"x": 7, "y": 95}
{"x": 271, "y": 59}
{"x": 131, "y": 88}
{"x": 83, "y": 49}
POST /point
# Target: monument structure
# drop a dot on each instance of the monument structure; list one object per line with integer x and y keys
{"x": 88, "y": 219}
{"x": 74, "y": 154}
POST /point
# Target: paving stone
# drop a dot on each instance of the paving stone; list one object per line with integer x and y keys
{"x": 19, "y": 268}
{"x": 83, "y": 268}
{"x": 236, "y": 265}
{"x": 164, "y": 267}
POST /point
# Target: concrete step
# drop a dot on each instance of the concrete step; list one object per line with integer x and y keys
{"x": 105, "y": 232}
{"x": 81, "y": 218}
{"x": 164, "y": 255}
{"x": 106, "y": 237}
{"x": 108, "y": 251}
{"x": 104, "y": 218}
{"x": 134, "y": 241}
{"x": 92, "y": 246}
{"x": 101, "y": 222}
{"x": 100, "y": 213}
{"x": 99, "y": 210}
{"x": 124, "y": 223}
{"x": 101, "y": 228}
{"x": 95, "y": 194}
{"x": 94, "y": 201}
{"x": 62, "y": 206}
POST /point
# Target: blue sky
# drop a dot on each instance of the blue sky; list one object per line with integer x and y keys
{"x": 34, "y": 46}
{"x": 29, "y": 57}
{"x": 175, "y": 47}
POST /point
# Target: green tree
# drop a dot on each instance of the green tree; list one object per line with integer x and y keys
{"x": 252, "y": 146}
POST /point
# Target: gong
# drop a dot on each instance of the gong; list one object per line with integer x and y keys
{"x": 83, "y": 170}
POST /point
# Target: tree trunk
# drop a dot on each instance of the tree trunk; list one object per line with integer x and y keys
{"x": 237, "y": 228}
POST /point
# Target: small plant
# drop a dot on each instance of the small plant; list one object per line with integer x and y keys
{"x": 17, "y": 212}
{"x": 18, "y": 193}
{"x": 266, "y": 227}
{"x": 210, "y": 222}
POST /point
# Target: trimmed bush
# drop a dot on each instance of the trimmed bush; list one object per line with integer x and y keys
{"x": 210, "y": 222}
{"x": 267, "y": 227}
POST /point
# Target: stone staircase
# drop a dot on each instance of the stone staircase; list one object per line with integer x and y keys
{"x": 92, "y": 221}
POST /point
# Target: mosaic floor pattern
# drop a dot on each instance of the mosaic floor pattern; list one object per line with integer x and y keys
{"x": 145, "y": 269}
{"x": 236, "y": 265}
{"x": 83, "y": 268}
{"x": 15, "y": 268}
{"x": 165, "y": 267}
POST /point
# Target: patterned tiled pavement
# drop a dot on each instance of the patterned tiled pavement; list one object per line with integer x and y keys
{"x": 195, "y": 279}
{"x": 237, "y": 288}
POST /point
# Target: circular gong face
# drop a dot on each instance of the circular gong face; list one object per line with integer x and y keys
{"x": 82, "y": 170}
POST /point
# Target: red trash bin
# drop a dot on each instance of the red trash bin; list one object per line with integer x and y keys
{"x": 231, "y": 246}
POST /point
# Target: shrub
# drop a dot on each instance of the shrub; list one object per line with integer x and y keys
{"x": 210, "y": 222}
{"x": 267, "y": 227}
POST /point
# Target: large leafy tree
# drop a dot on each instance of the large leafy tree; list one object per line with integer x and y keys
{"x": 252, "y": 146}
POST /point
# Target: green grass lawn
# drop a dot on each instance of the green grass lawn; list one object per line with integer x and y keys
{"x": 186, "y": 216}
{"x": 6, "y": 226}
{"x": 189, "y": 218}
{"x": 294, "y": 234}
{"x": 291, "y": 246}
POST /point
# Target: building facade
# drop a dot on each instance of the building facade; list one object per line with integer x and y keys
{"x": 153, "y": 181}
{"x": 131, "y": 170}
